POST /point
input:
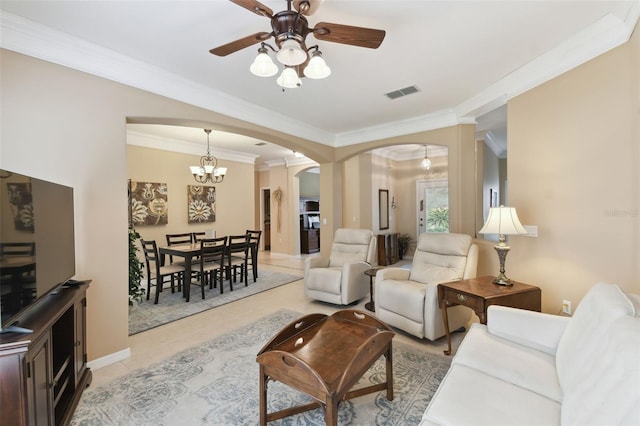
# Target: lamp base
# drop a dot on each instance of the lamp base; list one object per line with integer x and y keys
{"x": 502, "y": 280}
{"x": 502, "y": 249}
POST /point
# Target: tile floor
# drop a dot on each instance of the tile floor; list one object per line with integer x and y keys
{"x": 159, "y": 343}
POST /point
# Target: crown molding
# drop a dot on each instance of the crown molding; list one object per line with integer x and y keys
{"x": 183, "y": 147}
{"x": 33, "y": 39}
{"x": 30, "y": 38}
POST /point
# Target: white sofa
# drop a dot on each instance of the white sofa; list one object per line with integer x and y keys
{"x": 529, "y": 368}
{"x": 408, "y": 299}
{"x": 340, "y": 278}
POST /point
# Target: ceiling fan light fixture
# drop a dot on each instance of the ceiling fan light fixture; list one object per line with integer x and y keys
{"x": 263, "y": 65}
{"x": 289, "y": 79}
{"x": 291, "y": 53}
{"x": 317, "y": 68}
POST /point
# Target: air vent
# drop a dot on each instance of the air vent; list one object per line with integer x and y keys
{"x": 261, "y": 143}
{"x": 402, "y": 92}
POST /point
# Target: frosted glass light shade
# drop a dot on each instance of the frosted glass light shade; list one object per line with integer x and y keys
{"x": 263, "y": 66}
{"x": 220, "y": 171}
{"x": 291, "y": 53}
{"x": 289, "y": 79}
{"x": 317, "y": 67}
{"x": 196, "y": 170}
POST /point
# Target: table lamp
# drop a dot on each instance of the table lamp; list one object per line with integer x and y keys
{"x": 502, "y": 221}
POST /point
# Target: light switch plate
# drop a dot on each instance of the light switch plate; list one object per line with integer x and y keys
{"x": 532, "y": 230}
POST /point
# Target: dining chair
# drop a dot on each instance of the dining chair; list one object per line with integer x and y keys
{"x": 196, "y": 237}
{"x": 213, "y": 252}
{"x": 254, "y": 246}
{"x": 238, "y": 257}
{"x": 175, "y": 239}
{"x": 17, "y": 249}
{"x": 157, "y": 272}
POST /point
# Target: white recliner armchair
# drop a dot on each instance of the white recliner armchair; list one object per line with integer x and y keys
{"x": 340, "y": 278}
{"x": 408, "y": 299}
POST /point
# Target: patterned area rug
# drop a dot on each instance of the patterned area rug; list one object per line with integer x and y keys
{"x": 172, "y": 307}
{"x": 216, "y": 383}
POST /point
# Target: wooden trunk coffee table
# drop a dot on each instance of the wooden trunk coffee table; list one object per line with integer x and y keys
{"x": 324, "y": 356}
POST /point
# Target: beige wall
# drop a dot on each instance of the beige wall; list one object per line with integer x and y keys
{"x": 573, "y": 170}
{"x": 234, "y": 212}
{"x": 69, "y": 127}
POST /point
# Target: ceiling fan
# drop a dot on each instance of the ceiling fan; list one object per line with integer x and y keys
{"x": 290, "y": 29}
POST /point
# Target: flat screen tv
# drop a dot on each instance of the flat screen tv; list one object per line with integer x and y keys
{"x": 37, "y": 250}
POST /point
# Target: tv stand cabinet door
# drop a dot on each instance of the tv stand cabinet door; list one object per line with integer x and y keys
{"x": 80, "y": 342}
{"x": 13, "y": 403}
{"x": 39, "y": 382}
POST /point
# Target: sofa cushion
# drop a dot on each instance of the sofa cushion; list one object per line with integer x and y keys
{"x": 327, "y": 280}
{"x": 440, "y": 258}
{"x": 580, "y": 346}
{"x": 349, "y": 246}
{"x": 608, "y": 390}
{"x": 597, "y": 356}
{"x": 406, "y": 297}
{"x": 523, "y": 366}
{"x": 468, "y": 396}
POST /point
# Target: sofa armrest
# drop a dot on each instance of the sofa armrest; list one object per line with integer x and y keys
{"x": 533, "y": 329}
{"x": 399, "y": 274}
{"x": 315, "y": 262}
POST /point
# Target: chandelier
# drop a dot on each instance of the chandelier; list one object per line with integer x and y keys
{"x": 425, "y": 163}
{"x": 208, "y": 170}
{"x": 291, "y": 55}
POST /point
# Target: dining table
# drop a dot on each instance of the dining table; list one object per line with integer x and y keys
{"x": 188, "y": 252}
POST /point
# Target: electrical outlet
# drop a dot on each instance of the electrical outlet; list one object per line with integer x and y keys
{"x": 566, "y": 307}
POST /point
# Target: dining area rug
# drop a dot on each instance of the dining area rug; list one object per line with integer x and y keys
{"x": 216, "y": 383}
{"x": 172, "y": 307}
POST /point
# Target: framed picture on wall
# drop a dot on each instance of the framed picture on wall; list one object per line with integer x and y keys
{"x": 201, "y": 203}
{"x": 383, "y": 207}
{"x": 148, "y": 202}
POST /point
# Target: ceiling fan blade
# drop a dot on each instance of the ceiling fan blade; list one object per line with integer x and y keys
{"x": 240, "y": 44}
{"x": 307, "y": 7}
{"x": 254, "y": 6}
{"x": 347, "y": 34}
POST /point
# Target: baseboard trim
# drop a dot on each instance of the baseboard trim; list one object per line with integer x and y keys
{"x": 96, "y": 364}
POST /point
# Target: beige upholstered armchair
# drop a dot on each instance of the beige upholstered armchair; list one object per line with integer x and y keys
{"x": 340, "y": 278}
{"x": 408, "y": 299}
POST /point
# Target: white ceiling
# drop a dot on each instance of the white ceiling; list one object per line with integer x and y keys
{"x": 466, "y": 57}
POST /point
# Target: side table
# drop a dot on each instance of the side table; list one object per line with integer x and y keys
{"x": 371, "y": 305}
{"x": 479, "y": 293}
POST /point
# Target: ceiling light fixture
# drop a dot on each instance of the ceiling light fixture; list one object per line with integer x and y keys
{"x": 289, "y": 78}
{"x": 208, "y": 170}
{"x": 425, "y": 163}
{"x": 317, "y": 68}
{"x": 291, "y": 55}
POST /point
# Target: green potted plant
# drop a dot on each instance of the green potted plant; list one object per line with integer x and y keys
{"x": 405, "y": 243}
{"x": 136, "y": 291}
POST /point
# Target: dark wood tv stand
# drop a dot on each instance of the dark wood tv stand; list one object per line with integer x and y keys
{"x": 43, "y": 374}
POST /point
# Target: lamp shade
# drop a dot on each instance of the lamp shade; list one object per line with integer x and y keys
{"x": 289, "y": 79}
{"x": 317, "y": 68}
{"x": 291, "y": 53}
{"x": 504, "y": 221}
{"x": 263, "y": 66}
